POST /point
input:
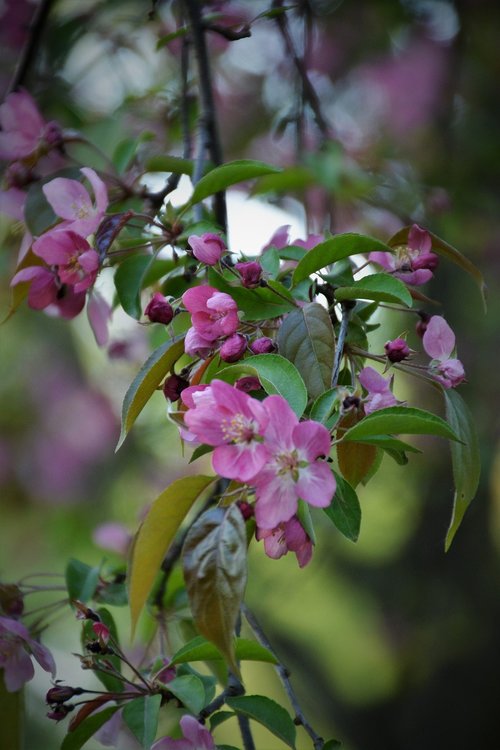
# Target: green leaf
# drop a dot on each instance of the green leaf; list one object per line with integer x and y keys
{"x": 443, "y": 248}
{"x": 155, "y": 535}
{"x": 256, "y": 304}
{"x": 169, "y": 164}
{"x": 396, "y": 419}
{"x": 214, "y": 561}
{"x": 332, "y": 745}
{"x": 147, "y": 381}
{"x": 141, "y": 717}
{"x": 338, "y": 247}
{"x": 395, "y": 448}
{"x": 306, "y": 338}
{"x": 199, "y": 649}
{"x": 379, "y": 286}
{"x": 270, "y": 262}
{"x": 76, "y": 739}
{"x": 219, "y": 718}
{"x": 222, "y": 177}
{"x": 344, "y": 510}
{"x": 129, "y": 281}
{"x": 189, "y": 689}
{"x": 326, "y": 407}
{"x": 465, "y": 459}
{"x": 81, "y": 580}
{"x": 276, "y": 374}
{"x": 268, "y": 713}
{"x": 293, "y": 178}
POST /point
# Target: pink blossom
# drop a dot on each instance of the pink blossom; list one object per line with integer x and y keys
{"x": 293, "y": 470}
{"x": 208, "y": 247}
{"x": 112, "y": 536}
{"x": 196, "y": 345}
{"x": 23, "y": 128}
{"x": 250, "y": 272}
{"x": 233, "y": 348}
{"x": 46, "y": 291}
{"x": 281, "y": 238}
{"x": 288, "y": 536}
{"x": 16, "y": 649}
{"x": 72, "y": 202}
{"x": 379, "y": 390}
{"x": 196, "y": 737}
{"x": 234, "y": 423}
{"x": 77, "y": 263}
{"x": 102, "y": 632}
{"x": 214, "y": 315}
{"x": 413, "y": 263}
{"x": 99, "y": 315}
{"x": 439, "y": 343}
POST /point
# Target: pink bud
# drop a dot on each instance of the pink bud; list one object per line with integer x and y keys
{"x": 173, "y": 387}
{"x": 263, "y": 345}
{"x": 397, "y": 350}
{"x": 208, "y": 248}
{"x": 233, "y": 348}
{"x": 248, "y": 383}
{"x": 101, "y": 631}
{"x": 159, "y": 310}
{"x": 250, "y": 272}
{"x": 52, "y": 134}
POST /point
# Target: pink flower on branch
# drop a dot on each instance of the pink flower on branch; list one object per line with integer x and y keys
{"x": 439, "y": 343}
{"x": 17, "y": 648}
{"x": 71, "y": 201}
{"x": 287, "y": 537}
{"x": 234, "y": 423}
{"x": 77, "y": 263}
{"x": 413, "y": 263}
{"x": 214, "y": 314}
{"x": 47, "y": 291}
{"x": 196, "y": 737}
{"x": 293, "y": 469}
{"x": 207, "y": 248}
{"x": 379, "y": 390}
{"x": 23, "y": 129}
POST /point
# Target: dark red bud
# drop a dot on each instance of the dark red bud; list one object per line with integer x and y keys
{"x": 248, "y": 383}
{"x": 60, "y": 712}
{"x": 233, "y": 348}
{"x": 250, "y": 272}
{"x": 397, "y": 350}
{"x": 62, "y": 693}
{"x": 173, "y": 387}
{"x": 421, "y": 325}
{"x": 263, "y": 345}
{"x": 159, "y": 310}
{"x": 247, "y": 509}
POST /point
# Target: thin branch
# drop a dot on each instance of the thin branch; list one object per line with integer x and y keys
{"x": 227, "y": 32}
{"x": 34, "y": 36}
{"x": 339, "y": 350}
{"x": 284, "y": 676}
{"x": 209, "y": 133}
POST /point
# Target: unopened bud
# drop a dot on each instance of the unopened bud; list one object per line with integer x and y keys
{"x": 53, "y": 134}
{"x": 263, "y": 345}
{"x": 60, "y": 712}
{"x": 83, "y": 612}
{"x": 159, "y": 310}
{"x": 62, "y": 693}
{"x": 397, "y": 350}
{"x": 250, "y": 272}
{"x": 247, "y": 509}
{"x": 11, "y": 600}
{"x": 173, "y": 387}
{"x": 233, "y": 348}
{"x": 248, "y": 383}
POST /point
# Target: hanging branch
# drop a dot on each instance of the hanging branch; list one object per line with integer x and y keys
{"x": 284, "y": 676}
{"x": 34, "y": 36}
{"x": 209, "y": 133}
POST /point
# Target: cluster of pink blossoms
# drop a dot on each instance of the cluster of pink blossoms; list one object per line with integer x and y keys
{"x": 413, "y": 263}
{"x": 263, "y": 444}
{"x": 214, "y": 316}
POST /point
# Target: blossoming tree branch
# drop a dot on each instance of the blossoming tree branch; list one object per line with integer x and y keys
{"x": 272, "y": 375}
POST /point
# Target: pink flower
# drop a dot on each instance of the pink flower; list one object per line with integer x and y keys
{"x": 214, "y": 315}
{"x": 281, "y": 238}
{"x": 208, "y": 248}
{"x": 99, "y": 314}
{"x": 234, "y": 423}
{"x": 288, "y": 536}
{"x": 293, "y": 469}
{"x": 439, "y": 343}
{"x": 159, "y": 309}
{"x": 16, "y": 649}
{"x": 196, "y": 737}
{"x": 112, "y": 536}
{"x": 71, "y": 201}
{"x": 77, "y": 263}
{"x": 23, "y": 129}
{"x": 196, "y": 345}
{"x": 46, "y": 291}
{"x": 102, "y": 632}
{"x": 250, "y": 272}
{"x": 379, "y": 390}
{"x": 413, "y": 263}
{"x": 233, "y": 348}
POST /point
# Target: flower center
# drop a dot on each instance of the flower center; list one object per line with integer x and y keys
{"x": 288, "y": 463}
{"x": 239, "y": 429}
{"x": 81, "y": 210}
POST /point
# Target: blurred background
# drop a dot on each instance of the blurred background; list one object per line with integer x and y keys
{"x": 392, "y": 643}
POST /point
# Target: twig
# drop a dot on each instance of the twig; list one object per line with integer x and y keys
{"x": 339, "y": 351}
{"x": 284, "y": 676}
{"x": 209, "y": 133}
{"x": 34, "y": 35}
{"x": 234, "y": 688}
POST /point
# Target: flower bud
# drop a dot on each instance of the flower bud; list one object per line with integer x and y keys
{"x": 233, "y": 348}
{"x": 60, "y": 712}
{"x": 250, "y": 272}
{"x": 207, "y": 248}
{"x": 247, "y": 509}
{"x": 263, "y": 345}
{"x": 397, "y": 350}
{"x": 173, "y": 387}
{"x": 62, "y": 693}
{"x": 421, "y": 326}
{"x": 52, "y": 134}
{"x": 159, "y": 310}
{"x": 11, "y": 600}
{"x": 248, "y": 383}
{"x": 102, "y": 632}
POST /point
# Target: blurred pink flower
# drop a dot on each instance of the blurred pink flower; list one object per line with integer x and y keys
{"x": 46, "y": 291}
{"x": 72, "y": 202}
{"x": 77, "y": 263}
{"x": 379, "y": 390}
{"x": 234, "y": 423}
{"x": 23, "y": 128}
{"x": 293, "y": 469}
{"x": 413, "y": 263}
{"x": 99, "y": 314}
{"x": 12, "y": 203}
{"x": 196, "y": 737}
{"x": 112, "y": 536}
{"x": 439, "y": 343}
{"x": 17, "y": 647}
{"x": 288, "y": 536}
{"x": 207, "y": 248}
